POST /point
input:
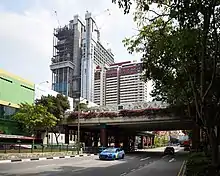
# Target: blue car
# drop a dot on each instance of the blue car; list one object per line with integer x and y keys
{"x": 112, "y": 154}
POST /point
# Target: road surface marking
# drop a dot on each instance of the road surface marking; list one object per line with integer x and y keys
{"x": 173, "y": 159}
{"x": 181, "y": 168}
{"x": 165, "y": 156}
{"x": 47, "y": 165}
{"x": 123, "y": 174}
{"x": 76, "y": 170}
{"x": 144, "y": 159}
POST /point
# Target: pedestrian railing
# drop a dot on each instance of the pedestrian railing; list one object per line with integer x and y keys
{"x": 37, "y": 148}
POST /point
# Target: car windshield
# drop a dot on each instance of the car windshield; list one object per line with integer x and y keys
{"x": 111, "y": 150}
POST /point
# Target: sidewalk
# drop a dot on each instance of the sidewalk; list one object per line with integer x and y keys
{"x": 44, "y": 158}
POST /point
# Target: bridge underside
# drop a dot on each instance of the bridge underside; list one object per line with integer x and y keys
{"x": 149, "y": 126}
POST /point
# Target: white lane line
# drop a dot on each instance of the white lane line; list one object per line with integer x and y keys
{"x": 165, "y": 156}
{"x": 123, "y": 174}
{"x": 133, "y": 170}
{"x": 143, "y": 159}
{"x": 173, "y": 159}
{"x": 76, "y": 170}
{"x": 47, "y": 165}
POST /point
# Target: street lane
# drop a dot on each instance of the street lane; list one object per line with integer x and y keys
{"x": 85, "y": 166}
{"x": 166, "y": 166}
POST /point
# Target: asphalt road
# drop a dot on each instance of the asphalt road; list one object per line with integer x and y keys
{"x": 136, "y": 164}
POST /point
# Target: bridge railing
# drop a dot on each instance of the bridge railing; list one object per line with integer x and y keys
{"x": 149, "y": 112}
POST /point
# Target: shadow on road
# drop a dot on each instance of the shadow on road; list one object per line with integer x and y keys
{"x": 67, "y": 170}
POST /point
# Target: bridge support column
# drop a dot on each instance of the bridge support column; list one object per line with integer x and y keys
{"x": 142, "y": 142}
{"x": 132, "y": 142}
{"x": 126, "y": 143}
{"x": 95, "y": 139}
{"x": 103, "y": 136}
{"x": 67, "y": 134}
{"x": 195, "y": 137}
{"x": 117, "y": 141}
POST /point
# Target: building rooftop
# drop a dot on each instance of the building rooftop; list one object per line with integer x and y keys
{"x": 13, "y": 76}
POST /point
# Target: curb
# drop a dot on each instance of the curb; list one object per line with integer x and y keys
{"x": 45, "y": 158}
{"x": 184, "y": 169}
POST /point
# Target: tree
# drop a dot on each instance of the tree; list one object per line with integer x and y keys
{"x": 56, "y": 106}
{"x": 34, "y": 118}
{"x": 180, "y": 52}
{"x": 82, "y": 107}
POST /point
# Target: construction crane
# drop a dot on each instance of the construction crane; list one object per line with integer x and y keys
{"x": 57, "y": 18}
{"x": 99, "y": 28}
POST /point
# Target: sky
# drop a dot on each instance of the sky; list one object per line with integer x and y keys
{"x": 26, "y": 32}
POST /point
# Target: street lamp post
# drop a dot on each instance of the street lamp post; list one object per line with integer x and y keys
{"x": 47, "y": 82}
{"x": 78, "y": 129}
{"x": 78, "y": 126}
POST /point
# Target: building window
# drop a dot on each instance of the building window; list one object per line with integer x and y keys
{"x": 6, "y": 111}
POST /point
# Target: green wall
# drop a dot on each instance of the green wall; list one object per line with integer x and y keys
{"x": 10, "y": 127}
{"x": 15, "y": 91}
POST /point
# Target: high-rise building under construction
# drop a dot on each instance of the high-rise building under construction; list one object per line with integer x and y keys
{"x": 77, "y": 51}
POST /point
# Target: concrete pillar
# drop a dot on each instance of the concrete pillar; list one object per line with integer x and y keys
{"x": 103, "y": 136}
{"x": 133, "y": 142}
{"x": 67, "y": 135}
{"x": 117, "y": 141}
{"x": 95, "y": 139}
{"x": 89, "y": 140}
{"x": 142, "y": 142}
{"x": 195, "y": 137}
{"x": 126, "y": 145}
{"x": 82, "y": 136}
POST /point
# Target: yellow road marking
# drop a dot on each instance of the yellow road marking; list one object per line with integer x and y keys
{"x": 181, "y": 168}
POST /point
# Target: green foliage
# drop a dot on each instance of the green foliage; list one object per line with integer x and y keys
{"x": 34, "y": 117}
{"x": 181, "y": 55}
{"x": 180, "y": 47}
{"x": 55, "y": 105}
{"x": 82, "y": 106}
{"x": 198, "y": 164}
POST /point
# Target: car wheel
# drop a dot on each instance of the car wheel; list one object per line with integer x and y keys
{"x": 122, "y": 157}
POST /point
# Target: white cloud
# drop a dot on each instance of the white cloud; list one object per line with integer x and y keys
{"x": 26, "y": 38}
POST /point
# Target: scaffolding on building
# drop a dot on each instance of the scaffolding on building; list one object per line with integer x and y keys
{"x": 62, "y": 65}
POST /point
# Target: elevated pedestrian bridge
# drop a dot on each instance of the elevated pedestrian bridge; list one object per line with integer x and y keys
{"x": 150, "y": 119}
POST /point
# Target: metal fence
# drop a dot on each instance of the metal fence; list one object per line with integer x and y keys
{"x": 28, "y": 148}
